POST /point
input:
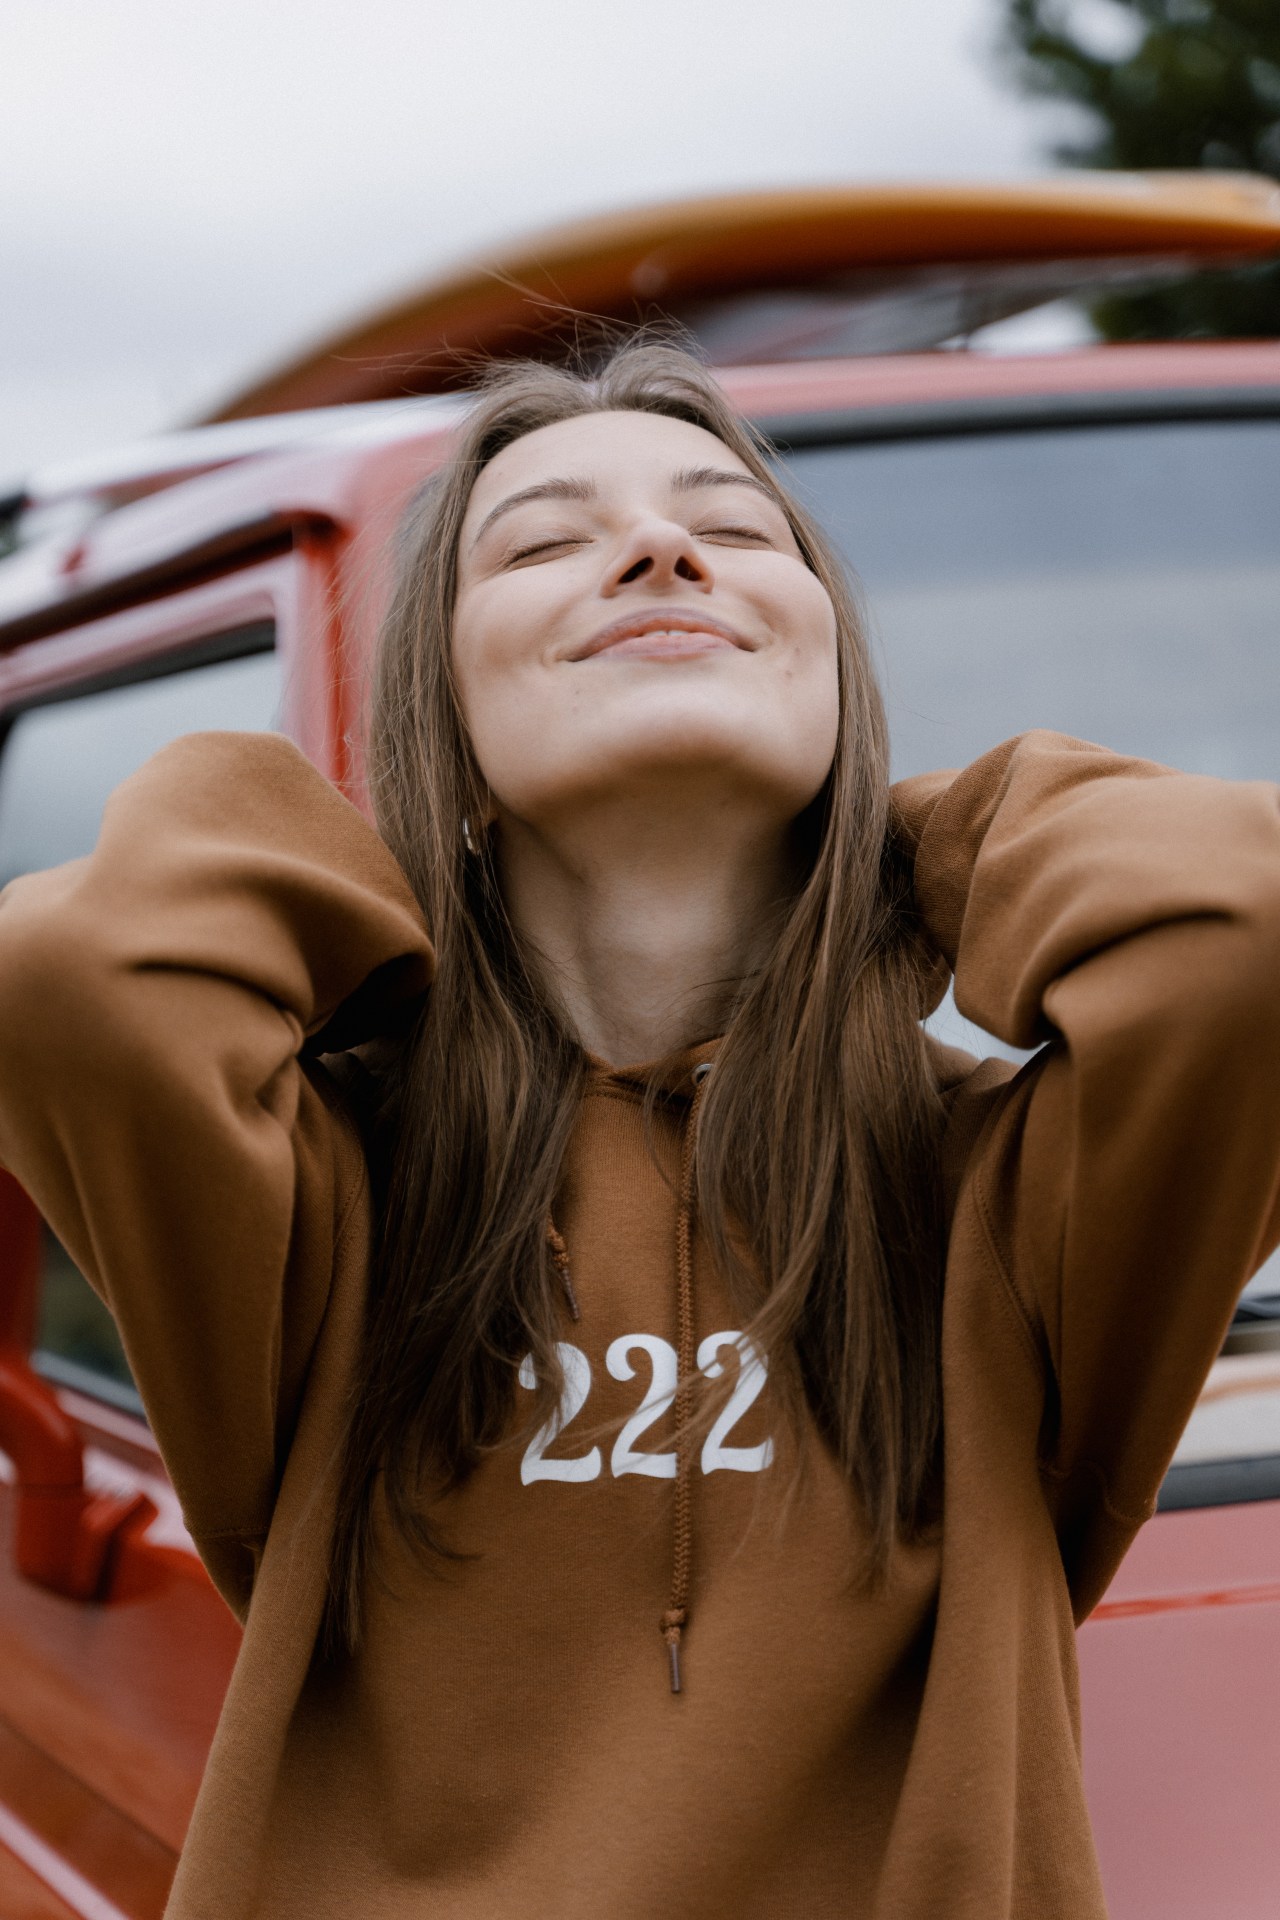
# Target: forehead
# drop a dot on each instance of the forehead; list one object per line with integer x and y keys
{"x": 611, "y": 450}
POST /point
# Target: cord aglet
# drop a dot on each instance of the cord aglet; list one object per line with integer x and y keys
{"x": 673, "y": 1651}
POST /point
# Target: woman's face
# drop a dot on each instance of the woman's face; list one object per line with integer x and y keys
{"x": 633, "y": 615}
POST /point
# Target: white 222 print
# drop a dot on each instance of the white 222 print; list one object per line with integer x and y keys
{"x": 717, "y": 1455}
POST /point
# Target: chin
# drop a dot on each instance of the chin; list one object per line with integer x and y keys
{"x": 704, "y": 734}
{"x": 707, "y": 721}
{"x": 703, "y": 744}
{"x": 708, "y": 752}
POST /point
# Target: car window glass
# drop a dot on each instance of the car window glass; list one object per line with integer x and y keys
{"x": 59, "y": 763}
{"x": 1120, "y": 583}
{"x": 61, "y": 760}
{"x": 77, "y": 1343}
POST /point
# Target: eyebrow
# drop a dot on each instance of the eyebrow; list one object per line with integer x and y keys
{"x": 689, "y": 479}
{"x": 543, "y": 490}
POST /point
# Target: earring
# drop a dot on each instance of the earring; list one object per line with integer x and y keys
{"x": 468, "y": 838}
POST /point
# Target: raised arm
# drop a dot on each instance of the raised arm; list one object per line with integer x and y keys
{"x": 1130, "y": 917}
{"x": 154, "y": 1000}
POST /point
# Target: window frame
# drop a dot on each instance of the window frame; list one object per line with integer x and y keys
{"x": 1014, "y": 413}
{"x": 144, "y": 641}
{"x": 185, "y": 629}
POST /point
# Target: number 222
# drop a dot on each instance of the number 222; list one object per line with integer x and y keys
{"x": 717, "y": 1456}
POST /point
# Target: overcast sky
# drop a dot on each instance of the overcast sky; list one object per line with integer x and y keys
{"x": 188, "y": 193}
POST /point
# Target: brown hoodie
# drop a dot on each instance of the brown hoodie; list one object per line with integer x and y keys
{"x": 506, "y": 1742}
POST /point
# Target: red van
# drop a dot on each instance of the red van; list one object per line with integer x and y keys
{"x": 1085, "y": 539}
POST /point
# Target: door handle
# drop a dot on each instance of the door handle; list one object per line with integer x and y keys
{"x": 63, "y": 1532}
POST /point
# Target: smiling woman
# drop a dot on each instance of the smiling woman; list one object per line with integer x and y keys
{"x": 626, "y": 645}
{"x": 657, "y": 1414}
{"x": 620, "y": 649}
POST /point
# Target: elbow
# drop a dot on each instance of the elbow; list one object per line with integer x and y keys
{"x": 1218, "y": 980}
{"x": 1249, "y": 981}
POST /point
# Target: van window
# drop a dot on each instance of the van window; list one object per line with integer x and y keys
{"x": 77, "y": 1344}
{"x": 1118, "y": 582}
{"x": 61, "y": 760}
{"x": 59, "y": 763}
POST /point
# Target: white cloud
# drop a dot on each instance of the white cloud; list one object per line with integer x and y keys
{"x": 188, "y": 191}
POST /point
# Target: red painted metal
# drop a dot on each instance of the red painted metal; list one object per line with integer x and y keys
{"x": 19, "y": 1265}
{"x": 1186, "y": 1602}
{"x": 25, "y": 1891}
{"x": 939, "y": 378}
{"x": 1180, "y": 1688}
{"x": 62, "y": 1534}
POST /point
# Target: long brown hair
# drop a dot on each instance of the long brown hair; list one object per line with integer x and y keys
{"x": 817, "y": 1147}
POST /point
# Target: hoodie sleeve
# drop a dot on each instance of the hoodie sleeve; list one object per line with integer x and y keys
{"x": 1129, "y": 917}
{"x": 155, "y": 999}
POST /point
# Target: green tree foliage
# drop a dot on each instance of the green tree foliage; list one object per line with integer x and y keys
{"x": 1166, "y": 83}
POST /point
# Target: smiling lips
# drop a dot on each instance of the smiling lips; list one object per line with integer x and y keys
{"x": 665, "y": 633}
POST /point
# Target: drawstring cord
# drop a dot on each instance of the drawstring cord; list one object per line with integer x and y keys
{"x": 676, "y": 1616}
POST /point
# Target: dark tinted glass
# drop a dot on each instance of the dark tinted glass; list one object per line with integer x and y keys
{"x": 76, "y": 1339}
{"x": 62, "y": 760}
{"x": 59, "y": 763}
{"x": 1118, "y": 583}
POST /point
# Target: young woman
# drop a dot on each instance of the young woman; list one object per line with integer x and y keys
{"x": 658, "y": 1418}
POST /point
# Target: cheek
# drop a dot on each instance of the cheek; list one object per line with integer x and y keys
{"x": 503, "y": 693}
{"x": 808, "y": 710}
{"x": 811, "y": 655}
{"x": 501, "y": 631}
{"x": 482, "y": 679}
{"x": 816, "y": 719}
{"x": 489, "y": 636}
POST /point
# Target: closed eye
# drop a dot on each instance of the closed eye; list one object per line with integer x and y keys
{"x": 733, "y": 533}
{"x": 543, "y": 546}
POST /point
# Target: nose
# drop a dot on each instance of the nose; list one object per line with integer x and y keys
{"x": 658, "y": 553}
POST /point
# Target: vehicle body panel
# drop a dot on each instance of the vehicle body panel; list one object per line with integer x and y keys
{"x": 1181, "y": 1693}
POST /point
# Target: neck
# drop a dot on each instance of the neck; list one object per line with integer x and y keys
{"x": 643, "y": 923}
